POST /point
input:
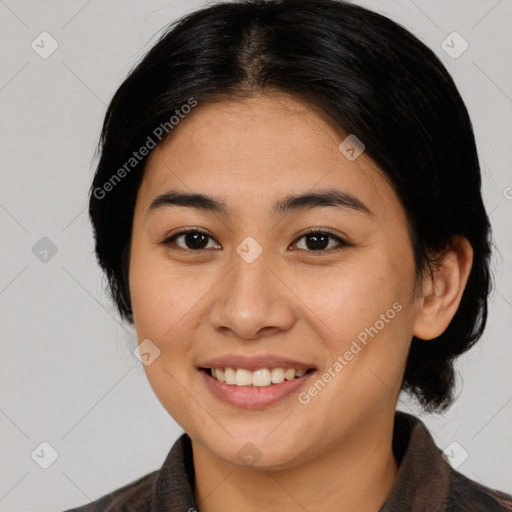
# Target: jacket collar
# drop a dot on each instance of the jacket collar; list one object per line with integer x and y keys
{"x": 422, "y": 482}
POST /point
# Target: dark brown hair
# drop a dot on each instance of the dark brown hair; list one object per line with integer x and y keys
{"x": 373, "y": 78}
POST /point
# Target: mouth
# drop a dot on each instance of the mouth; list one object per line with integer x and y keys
{"x": 254, "y": 389}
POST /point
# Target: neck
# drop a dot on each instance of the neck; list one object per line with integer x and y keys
{"x": 357, "y": 474}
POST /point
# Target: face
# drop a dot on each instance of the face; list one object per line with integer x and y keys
{"x": 265, "y": 283}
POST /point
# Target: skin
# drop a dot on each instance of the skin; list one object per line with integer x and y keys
{"x": 333, "y": 453}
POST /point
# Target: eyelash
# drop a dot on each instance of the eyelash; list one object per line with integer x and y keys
{"x": 342, "y": 242}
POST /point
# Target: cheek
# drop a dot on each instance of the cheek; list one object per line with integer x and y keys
{"x": 367, "y": 308}
{"x": 351, "y": 297}
{"x": 161, "y": 294}
{"x": 169, "y": 386}
{"x": 160, "y": 302}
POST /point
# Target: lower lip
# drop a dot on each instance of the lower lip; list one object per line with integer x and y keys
{"x": 253, "y": 397}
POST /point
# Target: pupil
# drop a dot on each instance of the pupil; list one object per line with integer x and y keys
{"x": 193, "y": 240}
{"x": 314, "y": 242}
{"x": 319, "y": 242}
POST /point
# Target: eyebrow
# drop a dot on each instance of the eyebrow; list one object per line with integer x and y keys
{"x": 327, "y": 198}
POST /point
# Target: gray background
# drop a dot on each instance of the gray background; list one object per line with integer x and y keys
{"x": 68, "y": 376}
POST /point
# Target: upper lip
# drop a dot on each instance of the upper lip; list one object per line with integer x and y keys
{"x": 253, "y": 363}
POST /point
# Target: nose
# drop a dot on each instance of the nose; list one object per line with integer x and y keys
{"x": 253, "y": 301}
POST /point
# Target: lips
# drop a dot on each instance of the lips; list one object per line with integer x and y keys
{"x": 254, "y": 382}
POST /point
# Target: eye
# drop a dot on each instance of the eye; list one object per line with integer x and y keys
{"x": 193, "y": 238}
{"x": 317, "y": 240}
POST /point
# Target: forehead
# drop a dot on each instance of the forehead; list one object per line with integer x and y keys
{"x": 252, "y": 151}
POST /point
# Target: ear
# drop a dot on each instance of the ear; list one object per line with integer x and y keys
{"x": 441, "y": 295}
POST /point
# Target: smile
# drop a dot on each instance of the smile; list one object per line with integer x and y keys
{"x": 256, "y": 389}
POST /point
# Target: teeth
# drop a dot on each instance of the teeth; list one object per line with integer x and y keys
{"x": 289, "y": 374}
{"x": 277, "y": 375}
{"x": 243, "y": 378}
{"x": 229, "y": 375}
{"x": 260, "y": 378}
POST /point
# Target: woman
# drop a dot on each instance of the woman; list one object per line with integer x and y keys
{"x": 287, "y": 206}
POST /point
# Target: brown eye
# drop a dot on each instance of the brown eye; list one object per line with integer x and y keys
{"x": 316, "y": 240}
{"x": 193, "y": 240}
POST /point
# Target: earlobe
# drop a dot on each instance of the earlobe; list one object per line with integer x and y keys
{"x": 442, "y": 293}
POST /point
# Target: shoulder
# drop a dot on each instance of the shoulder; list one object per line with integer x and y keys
{"x": 169, "y": 488}
{"x": 426, "y": 479}
{"x": 466, "y": 494}
{"x": 133, "y": 497}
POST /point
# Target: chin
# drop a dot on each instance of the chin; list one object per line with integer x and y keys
{"x": 257, "y": 450}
